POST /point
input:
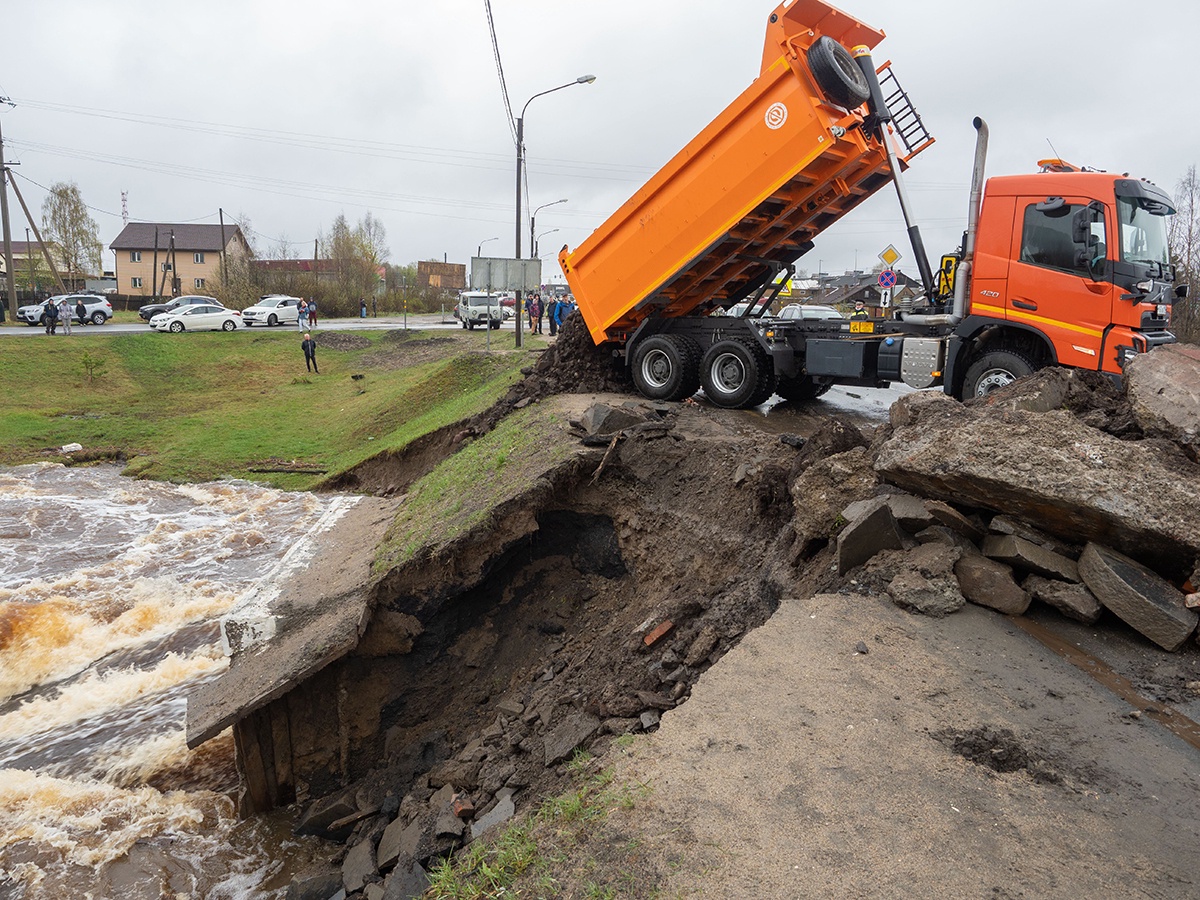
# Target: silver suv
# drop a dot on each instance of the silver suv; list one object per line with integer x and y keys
{"x": 477, "y": 308}
{"x": 97, "y": 309}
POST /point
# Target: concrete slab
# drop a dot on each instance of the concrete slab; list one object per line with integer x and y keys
{"x": 1146, "y": 602}
{"x": 319, "y": 611}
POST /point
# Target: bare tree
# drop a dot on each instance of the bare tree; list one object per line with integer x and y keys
{"x": 1185, "y": 251}
{"x": 66, "y": 222}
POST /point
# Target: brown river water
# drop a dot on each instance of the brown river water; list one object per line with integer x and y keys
{"x": 112, "y": 592}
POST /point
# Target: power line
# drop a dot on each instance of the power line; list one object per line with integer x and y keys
{"x": 487, "y": 5}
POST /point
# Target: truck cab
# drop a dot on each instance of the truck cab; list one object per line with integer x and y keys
{"x": 1071, "y": 268}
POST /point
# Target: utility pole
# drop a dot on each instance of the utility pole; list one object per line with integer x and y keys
{"x": 8, "y": 257}
{"x": 29, "y": 256}
{"x": 37, "y": 234}
{"x": 224, "y": 272}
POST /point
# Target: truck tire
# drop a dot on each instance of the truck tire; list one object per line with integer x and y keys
{"x": 733, "y": 375}
{"x": 837, "y": 74}
{"x": 995, "y": 369}
{"x": 802, "y": 389}
{"x": 666, "y": 367}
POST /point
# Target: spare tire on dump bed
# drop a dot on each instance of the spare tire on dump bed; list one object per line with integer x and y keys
{"x": 837, "y": 74}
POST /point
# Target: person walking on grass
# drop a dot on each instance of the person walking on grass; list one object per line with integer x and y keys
{"x": 309, "y": 346}
{"x": 51, "y": 316}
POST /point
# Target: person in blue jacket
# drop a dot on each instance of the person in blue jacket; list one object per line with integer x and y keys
{"x": 564, "y": 309}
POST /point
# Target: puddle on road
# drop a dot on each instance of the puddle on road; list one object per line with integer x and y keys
{"x": 1171, "y": 719}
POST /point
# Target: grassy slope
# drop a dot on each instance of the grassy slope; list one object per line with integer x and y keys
{"x": 202, "y": 406}
{"x": 464, "y": 489}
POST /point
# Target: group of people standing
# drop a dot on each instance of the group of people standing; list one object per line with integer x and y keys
{"x": 60, "y": 313}
{"x": 554, "y": 308}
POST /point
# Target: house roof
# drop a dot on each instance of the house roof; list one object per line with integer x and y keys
{"x": 140, "y": 236}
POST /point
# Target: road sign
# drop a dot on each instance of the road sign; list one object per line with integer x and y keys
{"x": 885, "y": 298}
{"x": 887, "y": 279}
{"x": 890, "y": 256}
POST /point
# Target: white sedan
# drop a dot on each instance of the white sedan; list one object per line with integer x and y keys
{"x": 273, "y": 309}
{"x": 197, "y": 318}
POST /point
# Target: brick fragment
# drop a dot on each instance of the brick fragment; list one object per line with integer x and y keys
{"x": 660, "y": 631}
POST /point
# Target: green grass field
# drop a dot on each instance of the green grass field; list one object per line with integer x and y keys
{"x": 201, "y": 406}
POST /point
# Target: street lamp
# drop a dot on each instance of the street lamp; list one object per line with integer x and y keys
{"x": 479, "y": 249}
{"x": 533, "y": 216}
{"x": 538, "y": 241}
{"x": 582, "y": 79}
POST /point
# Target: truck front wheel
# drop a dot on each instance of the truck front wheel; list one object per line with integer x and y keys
{"x": 666, "y": 367}
{"x": 733, "y": 376}
{"x": 995, "y": 369}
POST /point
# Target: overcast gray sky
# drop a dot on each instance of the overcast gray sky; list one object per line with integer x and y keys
{"x": 288, "y": 113}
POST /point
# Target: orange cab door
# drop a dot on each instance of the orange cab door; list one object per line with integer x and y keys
{"x": 1055, "y": 281}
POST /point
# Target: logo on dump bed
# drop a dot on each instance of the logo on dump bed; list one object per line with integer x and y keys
{"x": 776, "y": 116}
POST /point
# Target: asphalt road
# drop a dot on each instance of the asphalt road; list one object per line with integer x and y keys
{"x": 417, "y": 322}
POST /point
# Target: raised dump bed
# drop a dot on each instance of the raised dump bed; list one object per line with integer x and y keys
{"x": 785, "y": 160}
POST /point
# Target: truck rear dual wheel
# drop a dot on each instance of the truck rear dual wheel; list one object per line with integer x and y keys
{"x": 802, "y": 389}
{"x": 666, "y": 367}
{"x": 995, "y": 369}
{"x": 837, "y": 74}
{"x": 736, "y": 374}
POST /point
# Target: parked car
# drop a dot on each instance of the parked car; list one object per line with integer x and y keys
{"x": 150, "y": 310}
{"x": 198, "y": 317}
{"x": 272, "y": 309}
{"x": 479, "y": 308}
{"x": 98, "y": 309}
{"x": 809, "y": 311}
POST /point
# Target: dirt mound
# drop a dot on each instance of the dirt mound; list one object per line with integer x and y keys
{"x": 573, "y": 365}
{"x": 996, "y": 748}
{"x": 341, "y": 340}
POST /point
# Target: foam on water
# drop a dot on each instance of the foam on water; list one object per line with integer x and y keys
{"x": 110, "y": 595}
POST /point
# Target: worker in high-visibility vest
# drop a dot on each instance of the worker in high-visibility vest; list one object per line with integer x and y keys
{"x": 860, "y": 311}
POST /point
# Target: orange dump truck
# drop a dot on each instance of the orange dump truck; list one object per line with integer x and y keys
{"x": 1063, "y": 267}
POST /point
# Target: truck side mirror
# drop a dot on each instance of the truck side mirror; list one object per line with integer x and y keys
{"x": 1181, "y": 291}
{"x": 1081, "y": 226}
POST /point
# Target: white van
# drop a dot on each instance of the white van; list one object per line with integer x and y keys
{"x": 479, "y": 308}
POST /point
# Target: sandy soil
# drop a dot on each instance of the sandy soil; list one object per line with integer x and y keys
{"x": 802, "y": 767}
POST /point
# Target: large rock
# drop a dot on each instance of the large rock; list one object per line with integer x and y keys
{"x": 1076, "y": 482}
{"x": 497, "y": 815}
{"x": 874, "y": 529}
{"x": 921, "y": 580}
{"x": 573, "y": 731}
{"x": 989, "y": 583}
{"x": 408, "y": 883}
{"x": 1074, "y": 601}
{"x": 823, "y": 490}
{"x": 1145, "y": 601}
{"x": 1029, "y": 557}
{"x": 1164, "y": 390}
{"x": 604, "y": 420}
{"x": 360, "y": 862}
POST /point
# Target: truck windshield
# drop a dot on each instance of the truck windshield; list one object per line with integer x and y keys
{"x": 1143, "y": 230}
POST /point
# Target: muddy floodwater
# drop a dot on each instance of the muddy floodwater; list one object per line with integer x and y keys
{"x": 111, "y": 596}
